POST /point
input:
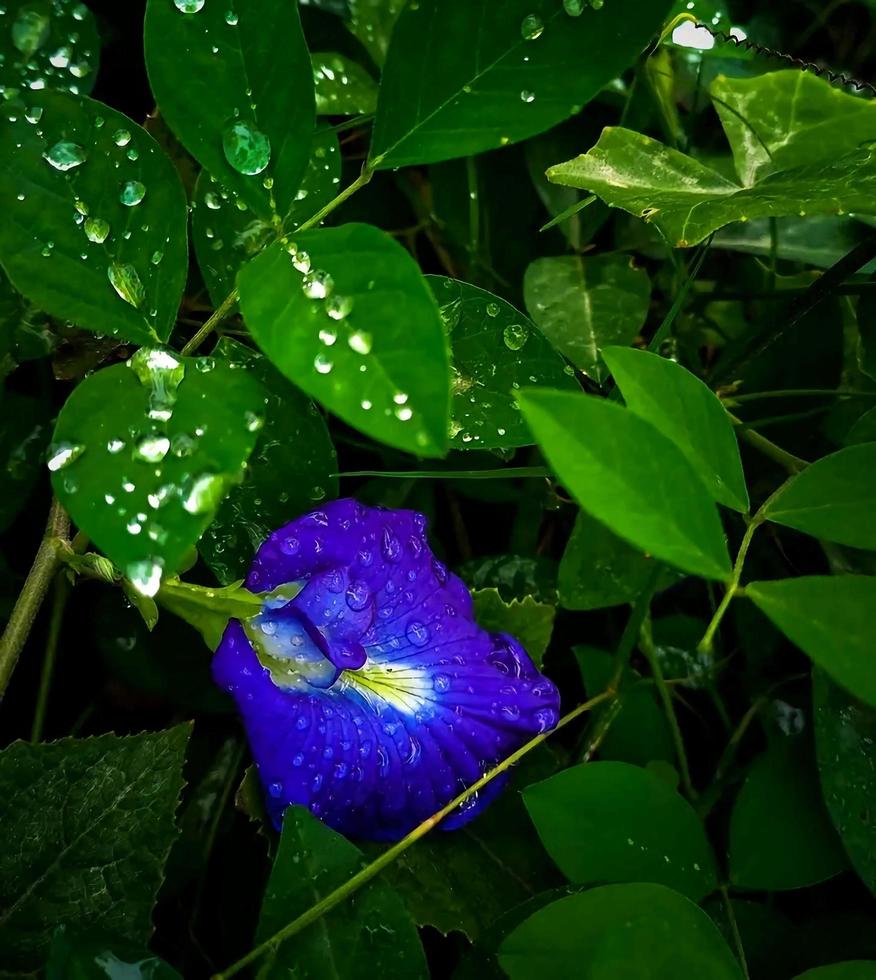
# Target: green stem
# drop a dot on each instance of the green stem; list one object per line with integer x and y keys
{"x": 352, "y": 885}
{"x": 59, "y": 602}
{"x": 216, "y": 317}
{"x": 788, "y": 461}
{"x": 36, "y": 585}
{"x": 336, "y": 202}
{"x": 734, "y": 931}
{"x": 633, "y": 628}
{"x": 796, "y": 393}
{"x": 706, "y": 644}
{"x": 678, "y": 302}
{"x": 646, "y": 645}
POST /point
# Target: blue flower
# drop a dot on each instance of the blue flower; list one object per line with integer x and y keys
{"x": 368, "y": 692}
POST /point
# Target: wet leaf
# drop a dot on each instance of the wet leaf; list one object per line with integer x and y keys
{"x": 514, "y": 576}
{"x": 582, "y": 304}
{"x": 529, "y": 621}
{"x": 614, "y": 822}
{"x": 642, "y": 930}
{"x": 74, "y": 854}
{"x": 373, "y": 935}
{"x": 209, "y": 610}
{"x": 347, "y": 316}
{"x": 780, "y": 833}
{"x": 598, "y": 569}
{"x": 630, "y": 477}
{"x": 75, "y": 955}
{"x": 342, "y": 87}
{"x": 845, "y": 731}
{"x": 235, "y": 84}
{"x": 372, "y": 22}
{"x": 685, "y": 410}
{"x": 808, "y": 610}
{"x": 44, "y": 44}
{"x": 281, "y": 482}
{"x": 494, "y": 349}
{"x": 144, "y": 453}
{"x": 832, "y": 498}
{"x": 788, "y": 118}
{"x": 226, "y": 233}
{"x": 99, "y": 229}
{"x": 688, "y": 201}
{"x": 464, "y": 77}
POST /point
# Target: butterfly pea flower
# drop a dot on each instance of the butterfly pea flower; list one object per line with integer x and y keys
{"x": 368, "y": 692}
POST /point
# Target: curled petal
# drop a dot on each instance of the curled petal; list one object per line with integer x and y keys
{"x": 372, "y": 696}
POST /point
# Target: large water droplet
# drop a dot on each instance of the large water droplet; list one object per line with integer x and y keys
{"x": 317, "y": 284}
{"x": 96, "y": 230}
{"x": 162, "y": 373}
{"x": 515, "y": 336}
{"x": 126, "y": 282}
{"x": 231, "y": 18}
{"x": 358, "y": 596}
{"x": 65, "y": 155}
{"x": 121, "y": 137}
{"x": 189, "y": 6}
{"x": 206, "y": 494}
{"x": 62, "y": 454}
{"x": 418, "y": 634}
{"x": 145, "y": 576}
{"x": 132, "y": 193}
{"x": 527, "y": 96}
{"x": 360, "y": 341}
{"x": 441, "y": 682}
{"x": 574, "y": 8}
{"x": 339, "y": 307}
{"x": 30, "y": 30}
{"x": 152, "y": 448}
{"x": 322, "y": 364}
{"x": 531, "y": 27}
{"x": 246, "y": 148}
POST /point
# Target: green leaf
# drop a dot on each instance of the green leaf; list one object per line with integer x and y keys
{"x": 47, "y": 44}
{"x": 494, "y": 349}
{"x": 370, "y": 936}
{"x": 463, "y": 881}
{"x": 342, "y": 87}
{"x": 788, "y": 118}
{"x": 514, "y": 576}
{"x": 529, "y": 621}
{"x": 88, "y": 824}
{"x": 598, "y": 569}
{"x": 833, "y": 498}
{"x": 688, "y": 201}
{"x": 830, "y": 619}
{"x": 279, "y": 484}
{"x": 95, "y": 956}
{"x": 630, "y": 477}
{"x": 373, "y": 351}
{"x": 686, "y": 411}
{"x": 845, "y": 731}
{"x": 372, "y": 21}
{"x": 144, "y": 454}
{"x": 466, "y": 76}
{"x": 235, "y": 83}
{"x": 226, "y": 233}
{"x": 636, "y": 930}
{"x": 780, "y": 833}
{"x": 613, "y": 822}
{"x": 209, "y": 610}
{"x": 582, "y": 304}
{"x": 99, "y": 235}
{"x": 849, "y": 970}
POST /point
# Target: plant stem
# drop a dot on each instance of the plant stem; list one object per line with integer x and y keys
{"x": 796, "y": 393}
{"x": 646, "y": 645}
{"x": 734, "y": 931}
{"x": 36, "y": 585}
{"x": 706, "y": 644}
{"x": 633, "y": 628}
{"x": 351, "y": 886}
{"x": 788, "y": 461}
{"x": 216, "y": 317}
{"x": 225, "y": 307}
{"x": 59, "y": 602}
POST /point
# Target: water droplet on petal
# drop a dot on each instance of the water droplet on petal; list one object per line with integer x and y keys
{"x": 358, "y": 596}
{"x": 65, "y": 155}
{"x": 441, "y": 682}
{"x": 418, "y": 634}
{"x": 246, "y": 148}
{"x": 531, "y": 27}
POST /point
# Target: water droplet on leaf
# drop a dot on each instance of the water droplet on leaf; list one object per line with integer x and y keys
{"x": 62, "y": 454}
{"x": 132, "y": 193}
{"x": 96, "y": 230}
{"x": 127, "y": 283}
{"x": 532, "y": 27}
{"x": 189, "y": 6}
{"x": 246, "y": 148}
{"x": 515, "y": 336}
{"x": 65, "y": 155}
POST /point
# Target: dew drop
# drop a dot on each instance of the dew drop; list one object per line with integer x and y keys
{"x": 246, "y": 148}
{"x": 206, "y": 494}
{"x": 317, "y": 284}
{"x": 527, "y": 96}
{"x": 531, "y": 27}
{"x": 65, "y": 155}
{"x": 212, "y": 201}
{"x": 492, "y": 309}
{"x": 403, "y": 413}
{"x": 34, "y": 115}
{"x": 322, "y": 364}
{"x": 328, "y": 336}
{"x": 145, "y": 576}
{"x": 574, "y": 8}
{"x": 360, "y": 341}
{"x": 189, "y": 6}
{"x": 96, "y": 230}
{"x": 132, "y": 193}
{"x": 162, "y": 373}
{"x": 62, "y": 454}
{"x": 339, "y": 307}
{"x": 231, "y": 18}
{"x": 121, "y": 137}
{"x": 61, "y": 57}
{"x": 126, "y": 282}
{"x": 418, "y": 634}
{"x": 358, "y": 596}
{"x": 515, "y": 336}
{"x": 152, "y": 448}
{"x": 441, "y": 682}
